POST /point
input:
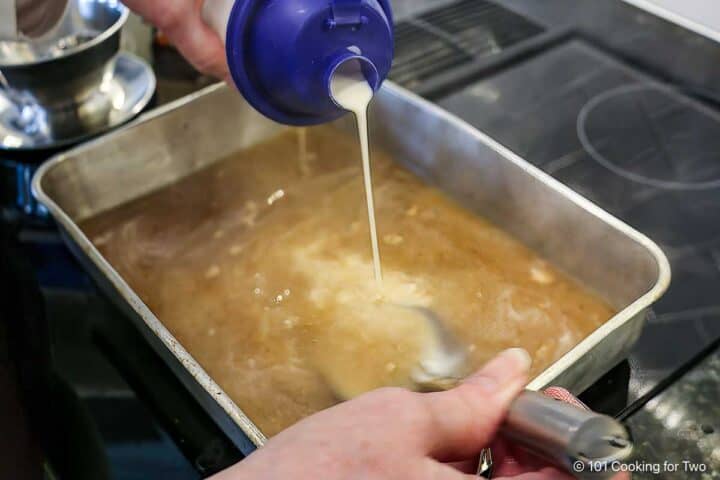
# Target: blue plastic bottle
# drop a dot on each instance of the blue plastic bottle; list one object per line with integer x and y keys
{"x": 282, "y": 53}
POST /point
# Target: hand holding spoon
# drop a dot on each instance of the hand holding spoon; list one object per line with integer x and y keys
{"x": 581, "y": 442}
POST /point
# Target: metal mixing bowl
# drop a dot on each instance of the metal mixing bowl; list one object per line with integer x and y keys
{"x": 67, "y": 66}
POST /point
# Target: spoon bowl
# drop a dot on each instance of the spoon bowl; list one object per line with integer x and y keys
{"x": 444, "y": 361}
{"x": 417, "y": 351}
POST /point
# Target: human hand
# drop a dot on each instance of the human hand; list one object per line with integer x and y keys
{"x": 393, "y": 434}
{"x": 182, "y": 23}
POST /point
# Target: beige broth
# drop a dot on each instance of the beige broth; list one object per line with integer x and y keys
{"x": 260, "y": 266}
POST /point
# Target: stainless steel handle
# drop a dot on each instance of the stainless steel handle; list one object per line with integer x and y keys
{"x": 584, "y": 443}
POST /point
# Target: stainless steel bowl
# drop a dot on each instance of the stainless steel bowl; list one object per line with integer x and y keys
{"x": 67, "y": 66}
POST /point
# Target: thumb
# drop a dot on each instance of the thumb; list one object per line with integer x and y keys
{"x": 465, "y": 419}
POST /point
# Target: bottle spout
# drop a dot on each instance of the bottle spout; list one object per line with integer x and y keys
{"x": 351, "y": 67}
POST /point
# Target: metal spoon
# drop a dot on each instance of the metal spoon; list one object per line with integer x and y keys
{"x": 444, "y": 361}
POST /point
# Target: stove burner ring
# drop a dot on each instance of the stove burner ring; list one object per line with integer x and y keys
{"x": 593, "y": 103}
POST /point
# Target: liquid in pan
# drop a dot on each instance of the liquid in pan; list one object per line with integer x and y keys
{"x": 260, "y": 266}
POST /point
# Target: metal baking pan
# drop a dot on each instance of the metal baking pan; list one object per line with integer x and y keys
{"x": 603, "y": 253}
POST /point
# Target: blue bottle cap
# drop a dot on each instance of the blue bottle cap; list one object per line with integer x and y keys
{"x": 282, "y": 53}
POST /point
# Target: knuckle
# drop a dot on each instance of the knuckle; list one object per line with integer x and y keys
{"x": 173, "y": 15}
{"x": 210, "y": 66}
{"x": 463, "y": 411}
{"x": 482, "y": 410}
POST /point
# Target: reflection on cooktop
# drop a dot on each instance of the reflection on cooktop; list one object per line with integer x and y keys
{"x": 645, "y": 152}
{"x": 668, "y": 141}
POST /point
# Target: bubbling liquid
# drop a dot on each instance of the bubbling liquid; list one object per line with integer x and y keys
{"x": 259, "y": 266}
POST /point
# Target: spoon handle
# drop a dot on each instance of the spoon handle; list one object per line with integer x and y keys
{"x": 584, "y": 443}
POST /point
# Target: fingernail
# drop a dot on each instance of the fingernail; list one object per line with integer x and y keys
{"x": 505, "y": 368}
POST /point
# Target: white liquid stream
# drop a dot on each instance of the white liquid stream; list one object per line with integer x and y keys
{"x": 351, "y": 91}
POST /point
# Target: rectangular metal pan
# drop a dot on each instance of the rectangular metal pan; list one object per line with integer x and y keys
{"x": 600, "y": 251}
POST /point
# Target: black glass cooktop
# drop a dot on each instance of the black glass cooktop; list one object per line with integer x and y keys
{"x": 645, "y": 151}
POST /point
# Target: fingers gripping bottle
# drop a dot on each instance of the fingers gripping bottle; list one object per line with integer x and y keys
{"x": 282, "y": 53}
